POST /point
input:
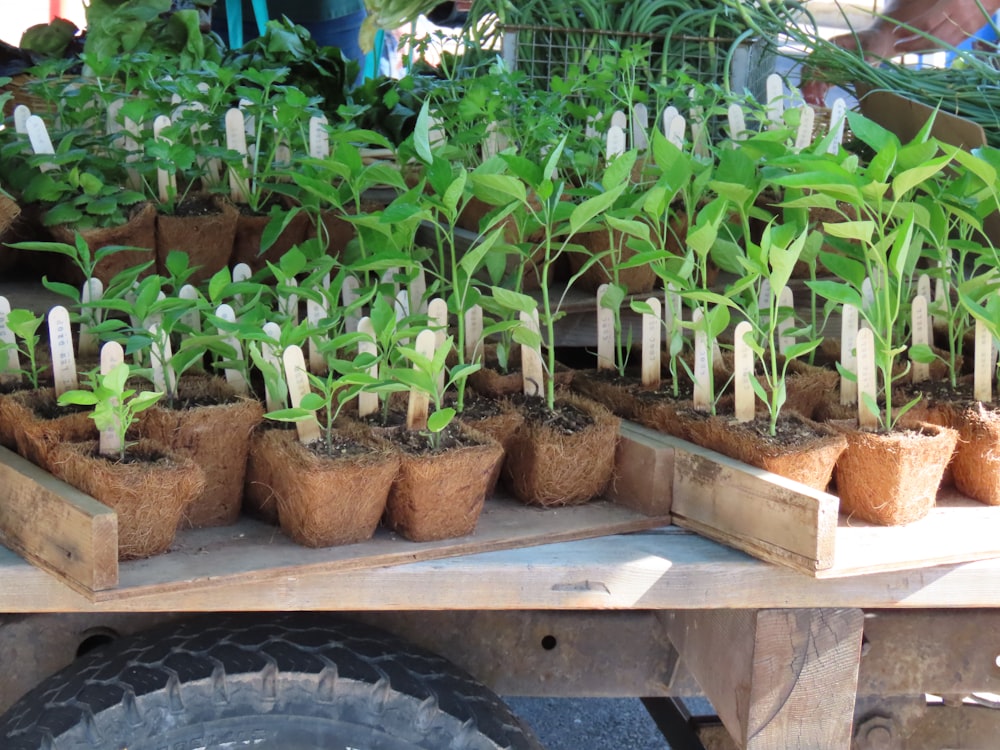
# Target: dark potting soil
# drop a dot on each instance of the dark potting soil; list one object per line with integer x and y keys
{"x": 340, "y": 446}
{"x": 182, "y": 404}
{"x": 477, "y": 407}
{"x": 197, "y": 205}
{"x": 52, "y": 409}
{"x": 146, "y": 457}
{"x": 565, "y": 419}
{"x": 419, "y": 443}
{"x": 790, "y": 431}
{"x": 940, "y": 391}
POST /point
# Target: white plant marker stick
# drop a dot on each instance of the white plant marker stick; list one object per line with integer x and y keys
{"x": 619, "y": 119}
{"x": 289, "y": 305}
{"x": 920, "y": 371}
{"x": 640, "y": 127}
{"x": 867, "y": 293}
{"x": 11, "y": 370}
{"x": 418, "y": 291}
{"x": 671, "y": 309}
{"x": 848, "y": 353}
{"x": 605, "y": 332}
{"x": 702, "y": 366}
{"x": 474, "y": 334}
{"x": 192, "y": 318}
{"x": 941, "y": 297}
{"x": 111, "y": 122}
{"x": 233, "y": 377}
{"x": 652, "y": 333}
{"x": 91, "y": 291}
{"x": 492, "y": 143}
{"x": 807, "y": 121}
{"x": 745, "y": 405}
{"x": 775, "y": 101}
{"x": 867, "y": 378}
{"x": 982, "y": 383}
{"x": 39, "y": 138}
{"x": 764, "y": 299}
{"x": 298, "y": 386}
{"x": 61, "y": 342}
{"x": 402, "y": 304}
{"x": 737, "y": 122}
{"x": 589, "y": 130}
{"x": 698, "y": 133}
{"x": 675, "y": 134}
{"x": 112, "y": 355}
{"x": 419, "y": 404}
{"x": 368, "y": 402}
{"x": 668, "y": 116}
{"x": 130, "y": 144}
{"x": 315, "y": 312}
{"x": 786, "y": 303}
{"x": 924, "y": 287}
{"x": 236, "y": 139}
{"x": 319, "y": 137}
{"x": 166, "y": 182}
{"x": 241, "y": 272}
{"x": 21, "y": 115}
{"x": 436, "y": 135}
{"x": 437, "y": 313}
{"x": 532, "y": 371}
{"x": 156, "y": 319}
{"x": 348, "y": 296}
{"x": 614, "y": 142}
{"x": 270, "y": 351}
{"x": 160, "y": 355}
{"x": 838, "y": 117}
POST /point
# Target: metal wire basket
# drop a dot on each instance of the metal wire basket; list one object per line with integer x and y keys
{"x": 546, "y": 52}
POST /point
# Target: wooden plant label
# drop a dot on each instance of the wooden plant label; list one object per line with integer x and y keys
{"x": 532, "y": 370}
{"x": 241, "y": 272}
{"x": 702, "y": 364}
{"x": 941, "y": 297}
{"x": 192, "y": 318}
{"x": 804, "y": 135}
{"x": 786, "y": 302}
{"x": 319, "y": 137}
{"x": 867, "y": 293}
{"x": 61, "y": 342}
{"x": 737, "y": 122}
{"x": 675, "y": 134}
{"x": 21, "y": 115}
{"x": 156, "y": 319}
{"x": 867, "y": 378}
{"x": 615, "y": 142}
{"x": 166, "y": 182}
{"x": 474, "y": 334}
{"x": 269, "y": 350}
{"x": 91, "y": 291}
{"x": 10, "y": 372}
{"x": 652, "y": 328}
{"x": 920, "y": 327}
{"x": 589, "y": 130}
{"x": 419, "y": 404}
{"x": 298, "y": 386}
{"x": 745, "y": 405}
{"x": 418, "y": 292}
{"x": 160, "y": 356}
{"x": 112, "y": 355}
{"x": 605, "y": 332}
{"x": 838, "y": 117}
{"x": 848, "y": 353}
{"x": 315, "y": 312}
{"x": 495, "y": 141}
{"x": 619, "y": 119}
{"x": 437, "y": 314}
{"x": 669, "y": 114}
{"x": 130, "y": 144}
{"x": 233, "y": 377}
{"x": 348, "y": 296}
{"x": 671, "y": 309}
{"x": 924, "y": 286}
{"x": 982, "y": 384}
{"x": 775, "y": 101}
{"x": 764, "y": 298}
{"x": 289, "y": 304}
{"x": 640, "y": 126}
{"x": 39, "y": 138}
{"x": 368, "y": 402}
{"x": 236, "y": 139}
{"x": 698, "y": 134}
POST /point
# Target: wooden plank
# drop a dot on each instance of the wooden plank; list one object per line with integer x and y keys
{"x": 767, "y": 671}
{"x": 57, "y": 527}
{"x": 644, "y": 467}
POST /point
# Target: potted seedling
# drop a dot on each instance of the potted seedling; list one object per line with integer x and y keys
{"x": 20, "y": 339}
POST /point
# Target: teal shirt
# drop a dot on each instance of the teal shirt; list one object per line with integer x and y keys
{"x": 301, "y": 11}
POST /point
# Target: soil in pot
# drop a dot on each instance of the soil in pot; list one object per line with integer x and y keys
{"x": 439, "y": 493}
{"x": 497, "y": 418}
{"x": 892, "y": 478}
{"x": 212, "y": 425}
{"x": 139, "y": 232}
{"x": 564, "y": 457}
{"x": 38, "y": 423}
{"x": 203, "y": 226}
{"x": 250, "y": 230}
{"x": 491, "y": 381}
{"x": 323, "y": 499}
{"x": 149, "y": 490}
{"x": 623, "y": 395}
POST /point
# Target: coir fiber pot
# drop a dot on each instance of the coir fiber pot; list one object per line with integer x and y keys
{"x": 323, "y": 500}
{"x": 976, "y": 463}
{"x": 149, "y": 491}
{"x": 250, "y": 229}
{"x": 611, "y": 250}
{"x": 38, "y": 423}
{"x": 498, "y": 419}
{"x": 802, "y": 450}
{"x": 139, "y": 232}
{"x": 892, "y": 478}
{"x": 203, "y": 227}
{"x": 619, "y": 393}
{"x": 491, "y": 381}
{"x": 550, "y": 465}
{"x": 212, "y": 425}
{"x": 440, "y": 495}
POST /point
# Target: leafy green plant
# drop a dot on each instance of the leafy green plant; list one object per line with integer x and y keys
{"x": 24, "y": 324}
{"x": 115, "y": 405}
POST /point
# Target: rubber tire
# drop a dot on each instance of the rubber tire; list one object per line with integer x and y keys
{"x": 285, "y": 681}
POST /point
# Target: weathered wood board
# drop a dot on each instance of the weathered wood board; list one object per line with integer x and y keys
{"x": 784, "y": 522}
{"x": 74, "y": 537}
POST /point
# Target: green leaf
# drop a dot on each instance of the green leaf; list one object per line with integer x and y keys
{"x": 836, "y": 292}
{"x": 861, "y": 231}
{"x": 78, "y": 398}
{"x": 491, "y": 187}
{"x": 421, "y": 134}
{"x": 512, "y": 300}
{"x": 312, "y": 402}
{"x": 440, "y": 419}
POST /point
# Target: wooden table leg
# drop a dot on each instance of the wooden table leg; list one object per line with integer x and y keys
{"x": 778, "y": 678}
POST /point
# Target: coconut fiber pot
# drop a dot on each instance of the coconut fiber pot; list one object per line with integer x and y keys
{"x": 250, "y": 231}
{"x": 441, "y": 495}
{"x": 636, "y": 280}
{"x": 149, "y": 492}
{"x": 213, "y": 426}
{"x": 490, "y": 381}
{"x": 38, "y": 424}
{"x": 321, "y": 500}
{"x": 138, "y": 232}
{"x": 203, "y": 227}
{"x": 976, "y": 464}
{"x": 893, "y": 478}
{"x": 550, "y": 466}
{"x": 501, "y": 423}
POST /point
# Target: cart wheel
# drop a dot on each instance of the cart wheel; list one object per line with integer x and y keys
{"x": 270, "y": 682}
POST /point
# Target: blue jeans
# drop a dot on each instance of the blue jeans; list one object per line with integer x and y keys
{"x": 337, "y": 32}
